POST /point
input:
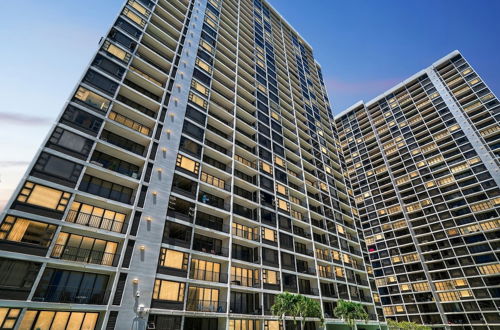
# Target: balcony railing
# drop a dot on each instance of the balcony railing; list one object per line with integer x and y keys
{"x": 96, "y": 221}
{"x": 205, "y": 275}
{"x": 251, "y": 282}
{"x": 212, "y": 250}
{"x": 206, "y": 306}
{"x": 246, "y": 234}
{"x": 54, "y": 293}
{"x": 83, "y": 255}
{"x": 309, "y": 291}
{"x": 208, "y": 223}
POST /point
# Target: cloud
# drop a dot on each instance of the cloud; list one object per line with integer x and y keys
{"x": 20, "y": 119}
{"x": 360, "y": 87}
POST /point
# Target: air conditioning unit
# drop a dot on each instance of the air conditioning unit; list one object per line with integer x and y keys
{"x": 151, "y": 325}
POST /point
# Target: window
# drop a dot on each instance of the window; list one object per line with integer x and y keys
{"x": 490, "y": 269}
{"x": 272, "y": 325}
{"x": 8, "y": 317}
{"x": 43, "y": 196}
{"x": 134, "y": 4}
{"x": 106, "y": 189}
{"x": 279, "y": 161}
{"x": 245, "y": 231}
{"x": 205, "y": 270}
{"x": 134, "y": 17}
{"x": 199, "y": 87}
{"x": 205, "y": 45}
{"x": 116, "y": 51}
{"x": 283, "y": 205}
{"x": 56, "y": 320}
{"x": 84, "y": 249}
{"x": 199, "y": 101}
{"x": 270, "y": 276}
{"x": 92, "y": 99}
{"x": 269, "y": 234}
{"x": 244, "y": 324}
{"x": 50, "y": 166}
{"x": 16, "y": 279}
{"x": 203, "y": 65}
{"x": 168, "y": 290}
{"x": 27, "y": 231}
{"x": 205, "y": 295}
{"x": 187, "y": 164}
{"x": 244, "y": 276}
{"x": 173, "y": 259}
{"x": 266, "y": 167}
{"x": 70, "y": 143}
{"x": 281, "y": 189}
{"x": 92, "y": 216}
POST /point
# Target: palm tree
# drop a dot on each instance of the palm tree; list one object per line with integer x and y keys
{"x": 297, "y": 306}
{"x": 349, "y": 312}
{"x": 393, "y": 325}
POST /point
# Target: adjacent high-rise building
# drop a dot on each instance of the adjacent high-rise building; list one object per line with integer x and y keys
{"x": 196, "y": 171}
{"x": 422, "y": 162}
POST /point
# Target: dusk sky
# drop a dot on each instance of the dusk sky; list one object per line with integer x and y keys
{"x": 364, "y": 48}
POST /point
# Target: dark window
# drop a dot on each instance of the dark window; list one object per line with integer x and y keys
{"x": 16, "y": 278}
{"x": 106, "y": 189}
{"x": 193, "y": 130}
{"x": 81, "y": 120}
{"x": 122, "y": 39}
{"x": 195, "y": 115}
{"x": 108, "y": 66}
{"x": 127, "y": 27}
{"x": 70, "y": 143}
{"x": 177, "y": 234}
{"x": 166, "y": 322}
{"x": 100, "y": 82}
{"x": 190, "y": 147}
{"x": 64, "y": 171}
{"x": 64, "y": 286}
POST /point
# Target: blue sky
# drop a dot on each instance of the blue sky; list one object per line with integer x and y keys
{"x": 364, "y": 48}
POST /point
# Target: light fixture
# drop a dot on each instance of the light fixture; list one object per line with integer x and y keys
{"x": 135, "y": 281}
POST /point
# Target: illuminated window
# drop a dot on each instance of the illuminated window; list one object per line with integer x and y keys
{"x": 199, "y": 87}
{"x": 245, "y": 231}
{"x": 134, "y": 17}
{"x": 202, "y": 298}
{"x": 26, "y": 231}
{"x": 187, "y": 164}
{"x": 283, "y": 205}
{"x": 168, "y": 290}
{"x": 266, "y": 167}
{"x": 210, "y": 22}
{"x": 174, "y": 259}
{"x": 421, "y": 287}
{"x": 116, "y": 51}
{"x": 198, "y": 100}
{"x": 269, "y": 234}
{"x": 270, "y": 276}
{"x": 279, "y": 161}
{"x": 281, "y": 189}
{"x": 262, "y": 88}
{"x": 8, "y": 317}
{"x": 244, "y": 324}
{"x": 244, "y": 276}
{"x": 448, "y": 296}
{"x": 490, "y": 269}
{"x": 205, "y": 270}
{"x": 56, "y": 320}
{"x": 138, "y": 7}
{"x": 92, "y": 216}
{"x": 84, "y": 249}
{"x": 405, "y": 287}
{"x": 206, "y": 46}
{"x": 43, "y": 196}
{"x": 203, "y": 65}
{"x": 214, "y": 181}
{"x": 92, "y": 99}
{"x": 339, "y": 271}
{"x": 275, "y": 115}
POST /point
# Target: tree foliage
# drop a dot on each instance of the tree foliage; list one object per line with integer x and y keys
{"x": 349, "y": 312}
{"x": 296, "y": 306}
{"x": 394, "y": 325}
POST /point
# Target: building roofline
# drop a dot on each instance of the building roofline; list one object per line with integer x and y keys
{"x": 286, "y": 23}
{"x": 401, "y": 84}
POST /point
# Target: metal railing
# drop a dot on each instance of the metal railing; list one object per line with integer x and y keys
{"x": 205, "y": 275}
{"x": 206, "y": 306}
{"x": 95, "y": 221}
{"x": 54, "y": 293}
{"x": 83, "y": 255}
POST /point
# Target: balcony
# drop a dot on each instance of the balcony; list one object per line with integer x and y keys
{"x": 208, "y": 248}
{"x": 205, "y": 275}
{"x": 212, "y": 306}
{"x": 250, "y": 282}
{"x": 245, "y": 211}
{"x": 212, "y": 200}
{"x": 68, "y": 295}
{"x": 96, "y": 221}
{"x": 246, "y": 234}
{"x": 84, "y": 255}
{"x": 309, "y": 291}
{"x": 212, "y": 222}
